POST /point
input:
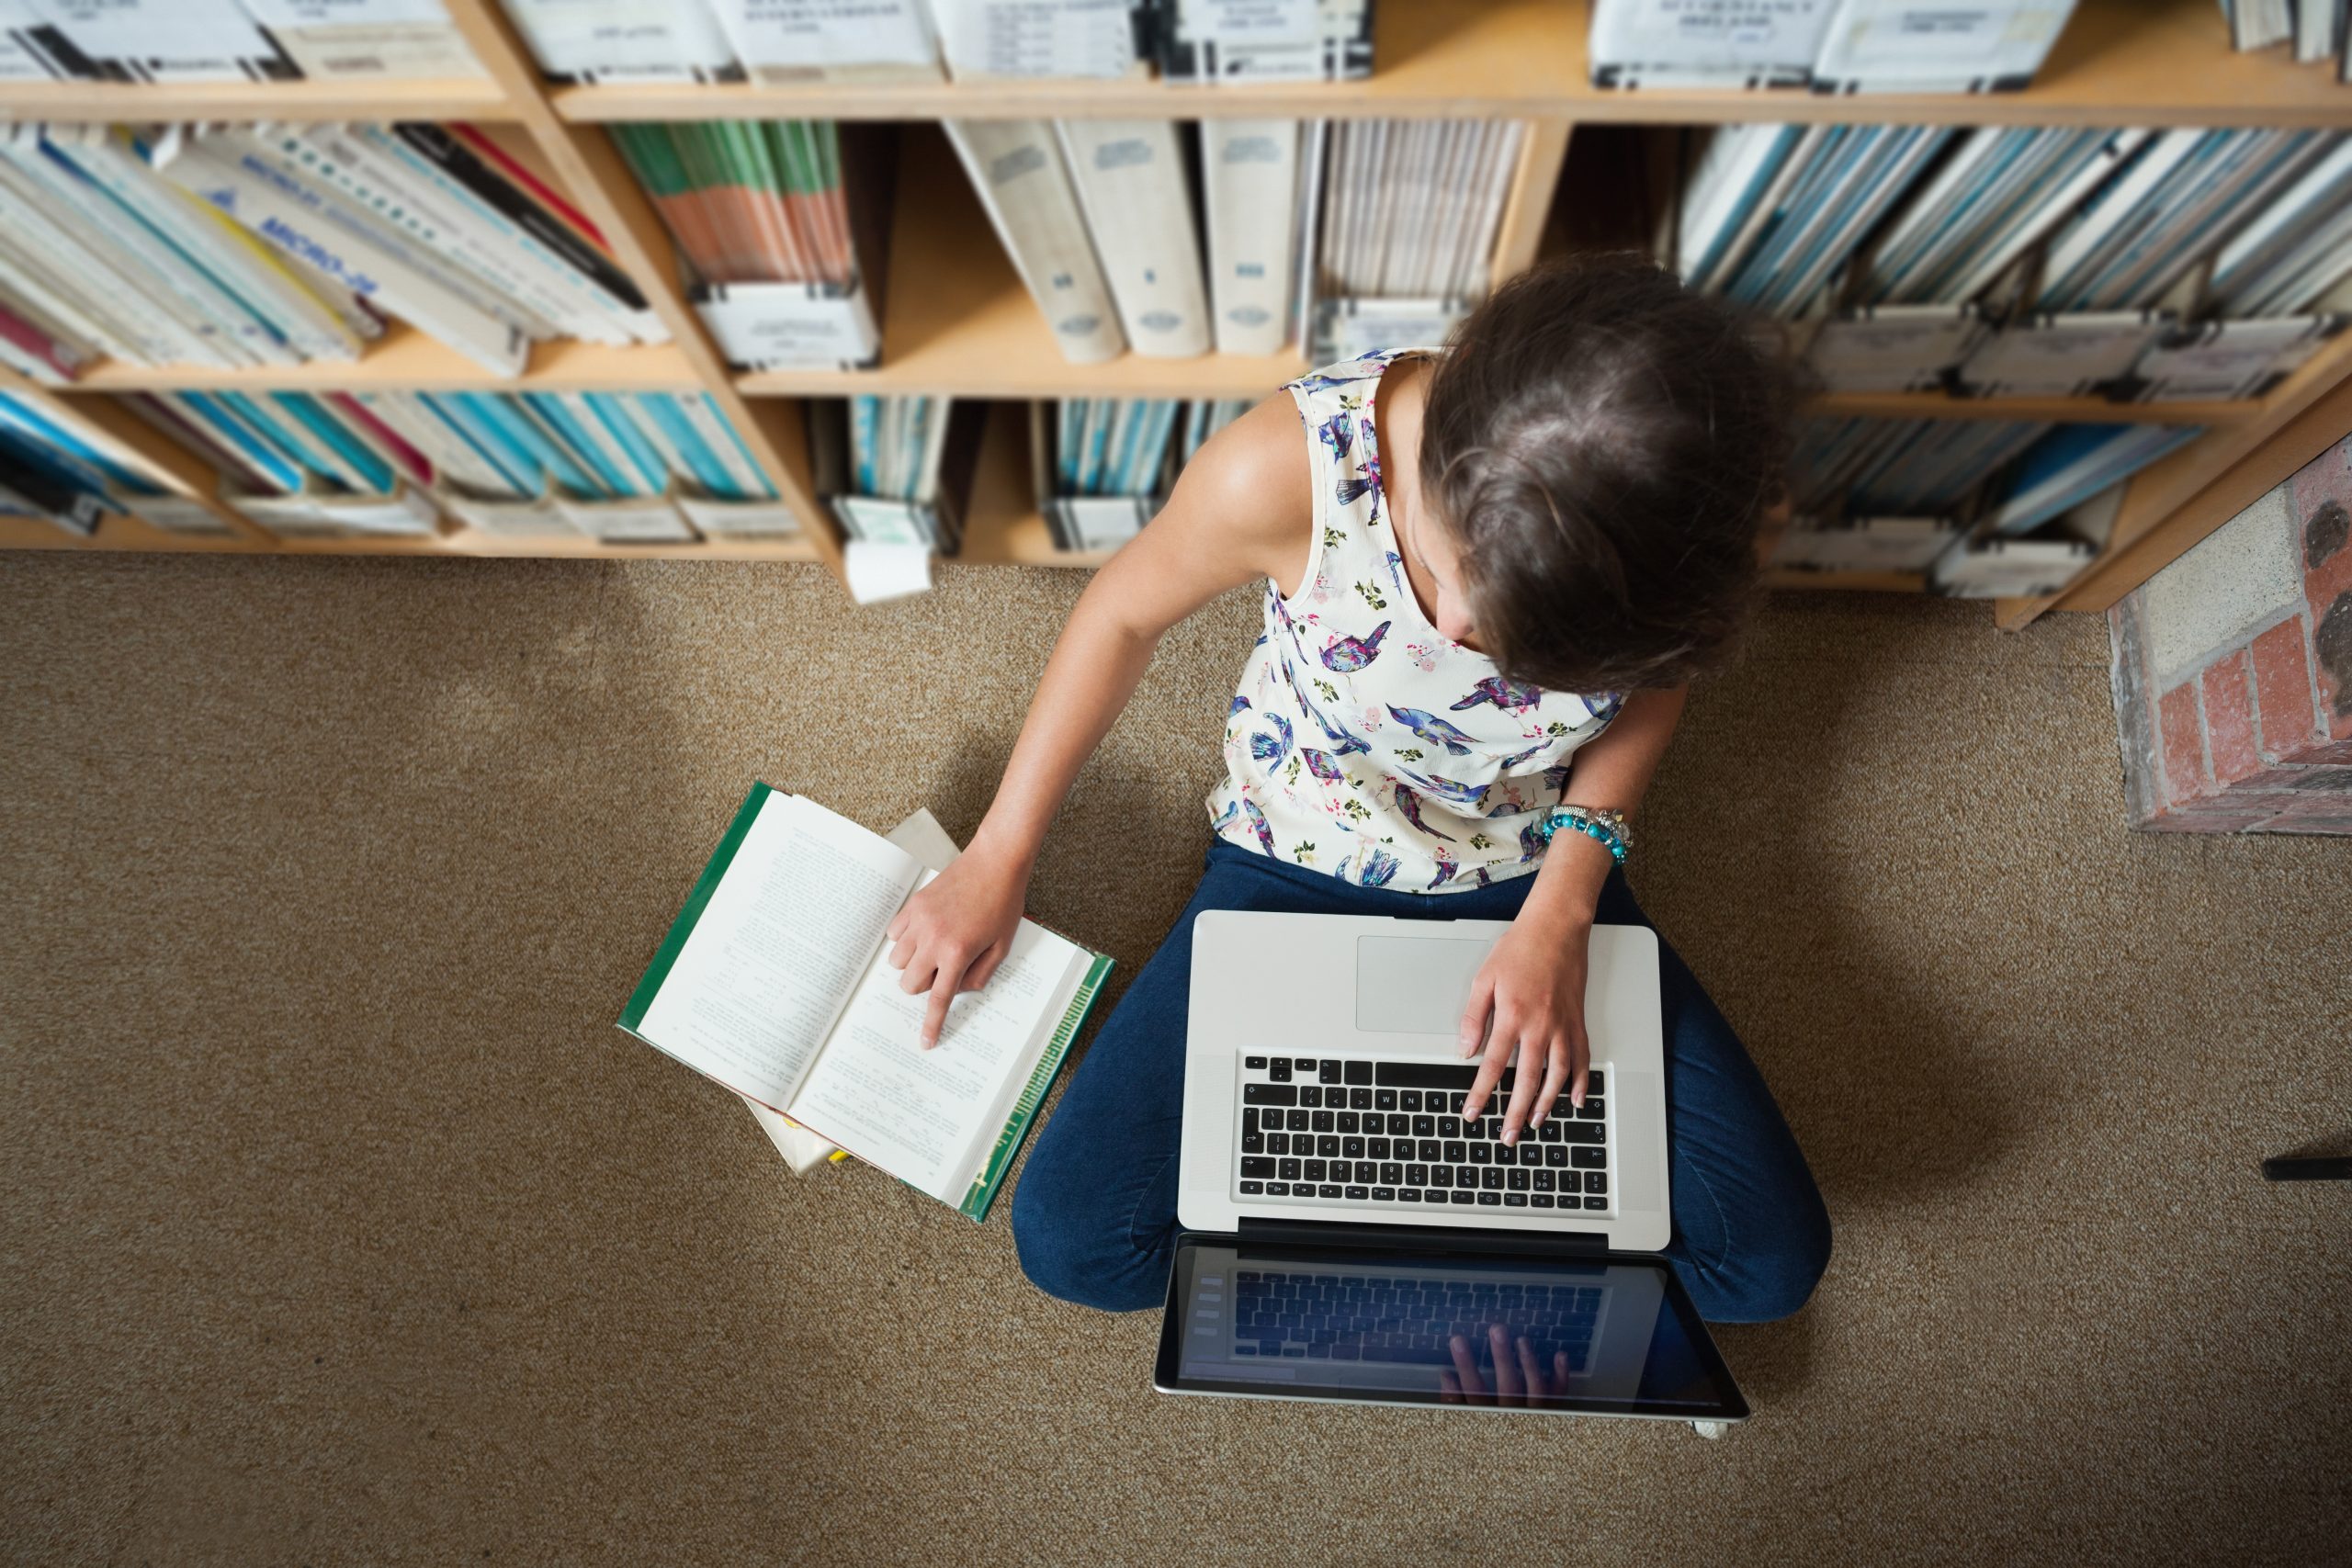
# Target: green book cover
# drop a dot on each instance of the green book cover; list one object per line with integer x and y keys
{"x": 1032, "y": 1095}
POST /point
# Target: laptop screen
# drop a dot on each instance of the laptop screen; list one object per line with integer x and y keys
{"x": 1608, "y": 1336}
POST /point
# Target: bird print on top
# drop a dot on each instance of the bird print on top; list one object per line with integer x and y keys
{"x": 1361, "y": 742}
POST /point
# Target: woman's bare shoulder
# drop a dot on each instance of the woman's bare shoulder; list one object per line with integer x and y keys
{"x": 1253, "y": 483}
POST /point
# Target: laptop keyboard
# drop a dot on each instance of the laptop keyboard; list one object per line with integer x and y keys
{"x": 1356, "y": 1317}
{"x": 1391, "y": 1136}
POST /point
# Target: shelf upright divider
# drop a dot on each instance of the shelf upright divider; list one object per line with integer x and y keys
{"x": 585, "y": 161}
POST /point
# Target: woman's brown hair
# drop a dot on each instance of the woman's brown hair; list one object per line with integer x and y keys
{"x": 1604, "y": 444}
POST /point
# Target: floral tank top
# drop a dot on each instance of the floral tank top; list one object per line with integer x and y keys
{"x": 1361, "y": 742}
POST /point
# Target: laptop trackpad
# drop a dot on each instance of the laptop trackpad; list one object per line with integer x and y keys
{"x": 1412, "y": 985}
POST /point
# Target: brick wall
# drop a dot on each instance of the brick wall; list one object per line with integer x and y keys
{"x": 2234, "y": 670}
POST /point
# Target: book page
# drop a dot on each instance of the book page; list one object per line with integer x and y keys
{"x": 919, "y": 1115}
{"x": 797, "y": 917}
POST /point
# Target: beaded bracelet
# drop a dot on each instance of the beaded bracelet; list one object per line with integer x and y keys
{"x": 1605, "y": 828}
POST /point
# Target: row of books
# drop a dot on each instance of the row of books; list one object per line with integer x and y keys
{"x": 2319, "y": 31}
{"x": 1830, "y": 46}
{"x": 611, "y": 40}
{"x": 1984, "y": 508}
{"x": 621, "y": 467}
{"x": 230, "y": 246}
{"x": 2180, "y": 262}
{"x": 54, "y": 468}
{"x": 1104, "y": 466}
{"x": 909, "y": 40}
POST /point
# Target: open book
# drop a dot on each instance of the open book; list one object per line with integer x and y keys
{"x": 775, "y": 981}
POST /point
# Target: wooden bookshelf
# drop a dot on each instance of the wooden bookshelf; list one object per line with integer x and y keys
{"x": 2150, "y": 62}
{"x": 957, "y": 322}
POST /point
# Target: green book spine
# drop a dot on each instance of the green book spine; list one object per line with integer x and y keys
{"x": 652, "y": 157}
{"x": 697, "y": 900}
{"x": 1025, "y": 1110}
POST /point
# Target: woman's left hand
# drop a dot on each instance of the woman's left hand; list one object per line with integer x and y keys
{"x": 1527, "y": 1007}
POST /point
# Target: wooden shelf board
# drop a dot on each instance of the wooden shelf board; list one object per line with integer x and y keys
{"x": 118, "y": 534}
{"x": 407, "y": 360}
{"x": 2120, "y": 63}
{"x": 129, "y": 533}
{"x": 467, "y": 98}
{"x": 955, "y": 318}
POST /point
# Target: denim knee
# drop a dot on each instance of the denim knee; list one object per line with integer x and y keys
{"x": 1072, "y": 1254}
{"x": 1771, "y": 1278}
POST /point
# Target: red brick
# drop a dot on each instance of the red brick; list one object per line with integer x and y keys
{"x": 2207, "y": 821}
{"x": 2229, "y": 719}
{"x": 2286, "y": 712}
{"x": 2183, "y": 742}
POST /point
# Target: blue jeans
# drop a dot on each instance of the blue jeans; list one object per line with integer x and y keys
{"x": 1094, "y": 1215}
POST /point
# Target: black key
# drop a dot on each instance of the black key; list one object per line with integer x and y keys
{"x": 1543, "y": 1200}
{"x": 1323, "y": 1121}
{"x": 1383, "y": 1099}
{"x": 1594, "y": 1181}
{"x": 1456, "y": 1103}
{"x": 1249, "y": 1120}
{"x": 1589, "y": 1159}
{"x": 1425, "y": 1075}
{"x": 1461, "y": 1197}
{"x": 1255, "y": 1063}
{"x": 1269, "y": 1094}
{"x": 1309, "y": 1095}
{"x": 1514, "y": 1199}
{"x": 1328, "y": 1146}
{"x": 1431, "y": 1151}
{"x": 1490, "y": 1199}
{"x": 1289, "y": 1171}
{"x": 1257, "y": 1165}
{"x": 1392, "y": 1175}
{"x": 1277, "y": 1144}
{"x": 1353, "y": 1148}
{"x": 1457, "y": 1153}
{"x": 1582, "y": 1132}
{"x": 1418, "y": 1175}
{"x": 1277, "y": 1189}
{"x": 1596, "y": 1202}
{"x": 1315, "y": 1171}
{"x": 1516, "y": 1181}
{"x": 1383, "y": 1194}
{"x": 1252, "y": 1189}
{"x": 1327, "y": 1191}
{"x": 1593, "y": 1110}
{"x": 1482, "y": 1154}
{"x": 1550, "y": 1131}
{"x": 1367, "y": 1172}
{"x": 1359, "y": 1099}
{"x": 1410, "y": 1100}
{"x": 1592, "y": 1084}
{"x": 1253, "y": 1142}
{"x": 1449, "y": 1127}
{"x": 1359, "y": 1193}
{"x": 1556, "y": 1156}
{"x": 1491, "y": 1179}
{"x": 1301, "y": 1120}
{"x": 1351, "y": 1123}
{"x": 1400, "y": 1125}
{"x": 1505, "y": 1154}
{"x": 1440, "y": 1176}
{"x": 1278, "y": 1069}
{"x": 1425, "y": 1126}
{"x": 1361, "y": 1072}
{"x": 1409, "y": 1195}
{"x": 1376, "y": 1148}
{"x": 1327, "y": 1072}
{"x": 1543, "y": 1180}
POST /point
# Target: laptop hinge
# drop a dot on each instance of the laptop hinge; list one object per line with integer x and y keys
{"x": 1426, "y": 1238}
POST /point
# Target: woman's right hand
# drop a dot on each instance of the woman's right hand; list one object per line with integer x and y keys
{"x": 954, "y": 932}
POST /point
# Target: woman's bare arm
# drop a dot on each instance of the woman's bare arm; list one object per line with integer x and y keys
{"x": 1242, "y": 511}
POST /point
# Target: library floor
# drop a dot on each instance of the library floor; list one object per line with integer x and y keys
{"x": 341, "y": 1226}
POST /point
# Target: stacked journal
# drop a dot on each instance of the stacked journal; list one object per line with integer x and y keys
{"x": 1832, "y": 46}
{"x": 1104, "y": 465}
{"x": 774, "y": 980}
{"x": 896, "y": 471}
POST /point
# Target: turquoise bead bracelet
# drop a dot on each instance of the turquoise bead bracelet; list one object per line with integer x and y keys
{"x": 1592, "y": 827}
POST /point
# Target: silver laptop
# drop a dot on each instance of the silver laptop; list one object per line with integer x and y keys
{"x": 1350, "y": 1235}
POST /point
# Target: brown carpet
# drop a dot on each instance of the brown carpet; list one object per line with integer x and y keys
{"x": 341, "y": 1226}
